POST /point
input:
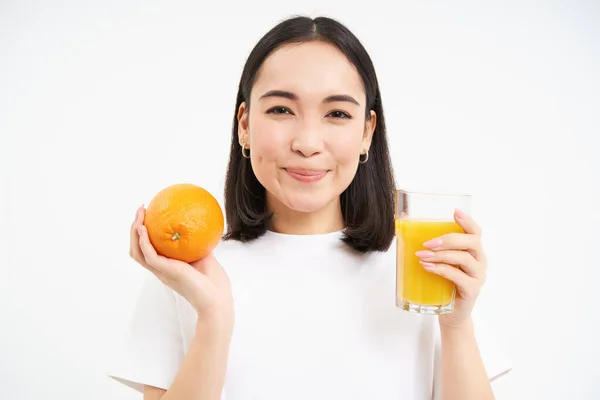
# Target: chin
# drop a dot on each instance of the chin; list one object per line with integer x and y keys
{"x": 306, "y": 202}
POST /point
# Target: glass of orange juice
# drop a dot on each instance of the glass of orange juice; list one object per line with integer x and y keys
{"x": 420, "y": 217}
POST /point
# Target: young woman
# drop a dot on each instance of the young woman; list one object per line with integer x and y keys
{"x": 306, "y": 259}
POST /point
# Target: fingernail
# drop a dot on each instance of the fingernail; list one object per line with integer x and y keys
{"x": 433, "y": 243}
{"x": 460, "y": 214}
{"x": 427, "y": 265}
{"x": 424, "y": 254}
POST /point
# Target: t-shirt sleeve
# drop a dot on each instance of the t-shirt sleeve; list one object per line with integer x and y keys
{"x": 151, "y": 352}
{"x": 494, "y": 359}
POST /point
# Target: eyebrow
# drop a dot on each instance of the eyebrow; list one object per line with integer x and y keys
{"x": 291, "y": 96}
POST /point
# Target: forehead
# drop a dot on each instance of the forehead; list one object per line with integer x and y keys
{"x": 313, "y": 69}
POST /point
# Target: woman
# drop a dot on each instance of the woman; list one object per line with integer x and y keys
{"x": 306, "y": 260}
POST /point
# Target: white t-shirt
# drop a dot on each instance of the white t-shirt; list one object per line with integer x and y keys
{"x": 314, "y": 320}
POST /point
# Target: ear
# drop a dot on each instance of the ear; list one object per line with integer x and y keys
{"x": 370, "y": 125}
{"x": 242, "y": 117}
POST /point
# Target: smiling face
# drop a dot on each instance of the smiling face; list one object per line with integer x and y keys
{"x": 306, "y": 127}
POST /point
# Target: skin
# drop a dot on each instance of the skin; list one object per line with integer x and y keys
{"x": 293, "y": 123}
{"x": 463, "y": 372}
{"x": 304, "y": 130}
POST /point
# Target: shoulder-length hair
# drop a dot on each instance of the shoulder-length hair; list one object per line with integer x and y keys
{"x": 367, "y": 204}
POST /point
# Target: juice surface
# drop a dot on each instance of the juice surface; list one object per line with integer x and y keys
{"x": 414, "y": 284}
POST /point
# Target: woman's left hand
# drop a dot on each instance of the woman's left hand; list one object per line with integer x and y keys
{"x": 460, "y": 258}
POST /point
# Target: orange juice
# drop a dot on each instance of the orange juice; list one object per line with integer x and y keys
{"x": 414, "y": 284}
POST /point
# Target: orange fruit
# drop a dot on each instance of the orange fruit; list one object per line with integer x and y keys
{"x": 184, "y": 222}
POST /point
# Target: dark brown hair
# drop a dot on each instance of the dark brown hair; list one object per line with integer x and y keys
{"x": 368, "y": 202}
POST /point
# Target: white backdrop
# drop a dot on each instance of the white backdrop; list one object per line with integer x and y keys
{"x": 103, "y": 103}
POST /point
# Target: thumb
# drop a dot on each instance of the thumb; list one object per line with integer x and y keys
{"x": 207, "y": 264}
{"x": 210, "y": 266}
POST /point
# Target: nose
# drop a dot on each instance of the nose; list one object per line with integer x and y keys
{"x": 308, "y": 139}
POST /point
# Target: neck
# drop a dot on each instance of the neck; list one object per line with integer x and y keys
{"x": 326, "y": 220}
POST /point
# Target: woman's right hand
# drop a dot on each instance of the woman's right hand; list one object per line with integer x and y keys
{"x": 203, "y": 283}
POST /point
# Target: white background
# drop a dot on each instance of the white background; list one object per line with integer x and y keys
{"x": 103, "y": 103}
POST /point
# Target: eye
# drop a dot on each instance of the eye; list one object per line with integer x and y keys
{"x": 279, "y": 110}
{"x": 340, "y": 115}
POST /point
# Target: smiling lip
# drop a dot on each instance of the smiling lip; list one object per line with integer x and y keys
{"x": 306, "y": 175}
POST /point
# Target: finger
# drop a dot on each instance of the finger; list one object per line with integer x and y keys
{"x": 464, "y": 282}
{"x": 134, "y": 245}
{"x": 133, "y": 235}
{"x": 466, "y": 222}
{"x": 210, "y": 267}
{"x": 166, "y": 269}
{"x": 463, "y": 259}
{"x": 135, "y": 251}
{"x": 136, "y": 220}
{"x": 458, "y": 241}
{"x": 206, "y": 265}
{"x": 161, "y": 265}
{"x": 138, "y": 256}
{"x": 141, "y": 214}
{"x": 152, "y": 258}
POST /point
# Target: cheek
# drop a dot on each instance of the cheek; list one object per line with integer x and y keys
{"x": 346, "y": 152}
{"x": 268, "y": 144}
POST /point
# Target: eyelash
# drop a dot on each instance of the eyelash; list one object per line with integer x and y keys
{"x": 344, "y": 114}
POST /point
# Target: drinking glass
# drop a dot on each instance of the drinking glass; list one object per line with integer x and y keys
{"x": 419, "y": 217}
